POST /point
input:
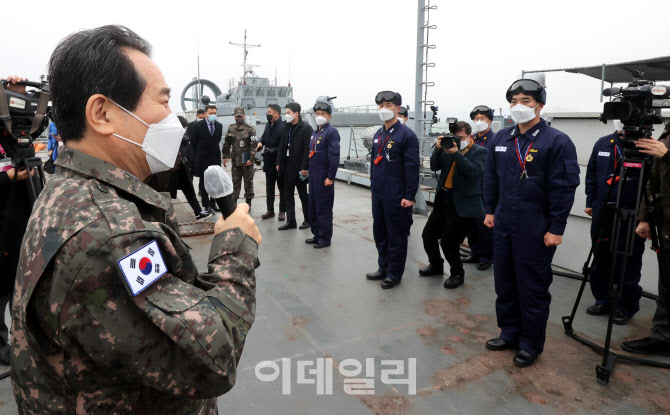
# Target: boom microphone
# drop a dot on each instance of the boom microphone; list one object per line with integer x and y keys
{"x": 610, "y": 92}
{"x": 219, "y": 186}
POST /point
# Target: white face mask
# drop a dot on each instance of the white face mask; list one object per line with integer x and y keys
{"x": 321, "y": 120}
{"x": 402, "y": 120}
{"x": 618, "y": 125}
{"x": 464, "y": 144}
{"x": 522, "y": 114}
{"x": 386, "y": 114}
{"x": 288, "y": 118}
{"x": 161, "y": 141}
{"x": 481, "y": 126}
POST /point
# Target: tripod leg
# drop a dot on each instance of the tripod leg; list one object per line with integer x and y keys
{"x": 567, "y": 320}
{"x": 604, "y": 371}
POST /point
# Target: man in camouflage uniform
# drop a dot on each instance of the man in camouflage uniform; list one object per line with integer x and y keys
{"x": 241, "y": 137}
{"x": 86, "y": 340}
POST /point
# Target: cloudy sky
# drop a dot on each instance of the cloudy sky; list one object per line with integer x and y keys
{"x": 355, "y": 48}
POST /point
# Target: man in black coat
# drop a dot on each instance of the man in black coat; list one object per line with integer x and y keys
{"x": 271, "y": 139}
{"x": 187, "y": 154}
{"x": 293, "y": 165}
{"x": 458, "y": 203}
{"x": 205, "y": 140}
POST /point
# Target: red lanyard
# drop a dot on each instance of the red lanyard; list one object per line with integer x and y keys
{"x": 379, "y": 157}
{"x": 313, "y": 149}
{"x": 314, "y": 142}
{"x": 522, "y": 163}
{"x": 381, "y": 147}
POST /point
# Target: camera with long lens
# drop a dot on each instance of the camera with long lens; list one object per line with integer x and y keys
{"x": 23, "y": 117}
{"x": 638, "y": 107}
{"x": 449, "y": 140}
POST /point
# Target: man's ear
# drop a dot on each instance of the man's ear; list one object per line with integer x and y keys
{"x": 100, "y": 116}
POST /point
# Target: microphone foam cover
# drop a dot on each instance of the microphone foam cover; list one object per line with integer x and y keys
{"x": 217, "y": 182}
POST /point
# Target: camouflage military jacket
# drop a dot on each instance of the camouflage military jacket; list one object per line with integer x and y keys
{"x": 83, "y": 343}
{"x": 242, "y": 140}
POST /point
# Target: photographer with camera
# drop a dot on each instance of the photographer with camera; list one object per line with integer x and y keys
{"x": 658, "y": 341}
{"x": 14, "y": 214}
{"x": 458, "y": 201}
{"x": 601, "y": 194}
{"x": 529, "y": 188}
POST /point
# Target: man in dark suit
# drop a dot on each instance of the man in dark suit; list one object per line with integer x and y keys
{"x": 293, "y": 165}
{"x": 271, "y": 140}
{"x": 205, "y": 140}
{"x": 458, "y": 203}
{"x": 187, "y": 154}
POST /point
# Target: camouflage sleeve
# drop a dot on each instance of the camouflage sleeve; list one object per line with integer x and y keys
{"x": 181, "y": 338}
{"x": 253, "y": 139}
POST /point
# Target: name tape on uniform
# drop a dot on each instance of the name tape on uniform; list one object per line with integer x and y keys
{"x": 501, "y": 148}
{"x": 604, "y": 153}
{"x": 143, "y": 267}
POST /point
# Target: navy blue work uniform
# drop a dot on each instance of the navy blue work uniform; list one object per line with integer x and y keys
{"x": 606, "y": 156}
{"x": 324, "y": 159}
{"x": 480, "y": 236}
{"x": 526, "y": 207}
{"x": 393, "y": 178}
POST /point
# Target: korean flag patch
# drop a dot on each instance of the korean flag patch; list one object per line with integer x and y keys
{"x": 143, "y": 267}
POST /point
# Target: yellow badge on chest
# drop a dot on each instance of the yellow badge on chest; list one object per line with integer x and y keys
{"x": 529, "y": 157}
{"x": 389, "y": 146}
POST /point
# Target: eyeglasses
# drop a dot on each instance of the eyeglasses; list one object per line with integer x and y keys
{"x": 321, "y": 106}
{"x": 388, "y": 96}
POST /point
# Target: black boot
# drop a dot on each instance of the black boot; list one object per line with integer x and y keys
{"x": 455, "y": 281}
{"x": 647, "y": 346}
{"x": 431, "y": 270}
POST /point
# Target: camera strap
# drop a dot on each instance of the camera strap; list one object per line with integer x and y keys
{"x": 4, "y": 110}
{"x": 41, "y": 111}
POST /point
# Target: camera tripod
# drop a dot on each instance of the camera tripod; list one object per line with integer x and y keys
{"x": 622, "y": 233}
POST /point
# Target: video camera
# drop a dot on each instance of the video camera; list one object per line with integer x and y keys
{"x": 451, "y": 139}
{"x": 23, "y": 117}
{"x": 638, "y": 107}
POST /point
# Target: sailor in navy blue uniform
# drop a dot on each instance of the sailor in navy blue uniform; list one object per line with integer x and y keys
{"x": 600, "y": 176}
{"x": 394, "y": 180}
{"x": 530, "y": 182}
{"x": 324, "y": 158}
{"x": 480, "y": 237}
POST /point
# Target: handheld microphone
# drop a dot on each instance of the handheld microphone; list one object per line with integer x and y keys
{"x": 219, "y": 186}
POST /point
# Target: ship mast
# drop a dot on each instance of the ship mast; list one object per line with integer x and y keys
{"x": 245, "y": 47}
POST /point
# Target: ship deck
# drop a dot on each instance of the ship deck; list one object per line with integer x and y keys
{"x": 316, "y": 304}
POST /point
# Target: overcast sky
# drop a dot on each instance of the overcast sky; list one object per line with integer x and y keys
{"x": 355, "y": 48}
